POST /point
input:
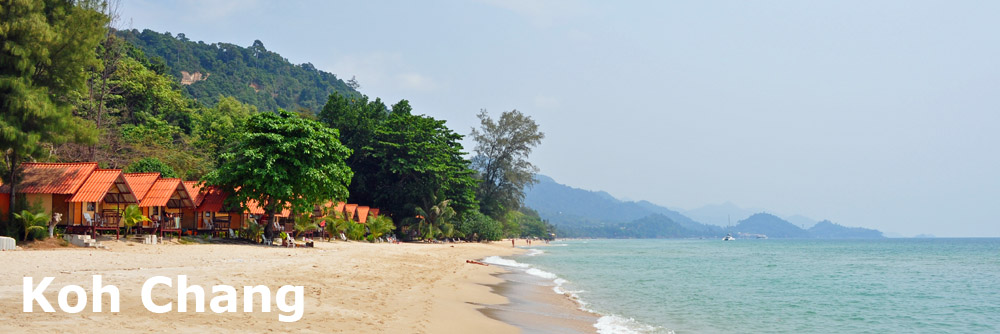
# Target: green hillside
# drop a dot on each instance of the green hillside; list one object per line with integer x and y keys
{"x": 252, "y": 75}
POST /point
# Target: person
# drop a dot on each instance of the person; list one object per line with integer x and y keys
{"x": 512, "y": 242}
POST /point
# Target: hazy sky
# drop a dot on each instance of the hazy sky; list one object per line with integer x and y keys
{"x": 883, "y": 114}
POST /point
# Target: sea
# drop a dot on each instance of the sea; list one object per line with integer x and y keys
{"x": 775, "y": 286}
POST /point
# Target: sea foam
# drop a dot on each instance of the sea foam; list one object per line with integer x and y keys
{"x": 504, "y": 262}
{"x": 609, "y": 324}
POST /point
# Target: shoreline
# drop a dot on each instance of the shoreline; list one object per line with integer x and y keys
{"x": 534, "y": 305}
{"x": 349, "y": 287}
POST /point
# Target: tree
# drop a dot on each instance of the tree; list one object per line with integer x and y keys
{"x": 304, "y": 223}
{"x": 131, "y": 216}
{"x": 477, "y": 226}
{"x": 420, "y": 162}
{"x": 45, "y": 47}
{"x": 380, "y": 226}
{"x": 357, "y": 119}
{"x": 282, "y": 160}
{"x": 433, "y": 216}
{"x": 151, "y": 165}
{"x": 501, "y": 160}
{"x": 33, "y": 223}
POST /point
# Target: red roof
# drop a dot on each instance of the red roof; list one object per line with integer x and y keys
{"x": 211, "y": 199}
{"x": 256, "y": 209}
{"x": 349, "y": 211}
{"x": 49, "y": 178}
{"x": 374, "y": 212}
{"x": 363, "y": 214}
{"x": 100, "y": 182}
{"x": 140, "y": 183}
{"x": 164, "y": 191}
{"x": 194, "y": 190}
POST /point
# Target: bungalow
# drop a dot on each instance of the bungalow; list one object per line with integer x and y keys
{"x": 98, "y": 204}
{"x": 163, "y": 203}
{"x": 49, "y": 186}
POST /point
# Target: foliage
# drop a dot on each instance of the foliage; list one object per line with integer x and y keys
{"x": 33, "y": 224}
{"x": 335, "y": 222}
{"x": 253, "y": 231}
{"x": 433, "y": 217}
{"x": 252, "y": 74}
{"x": 477, "y": 226}
{"x": 379, "y": 226}
{"x": 304, "y": 223}
{"x": 151, "y": 165}
{"x": 45, "y": 48}
{"x": 400, "y": 160}
{"x": 283, "y": 160}
{"x": 355, "y": 231}
{"x": 501, "y": 160}
{"x": 131, "y": 216}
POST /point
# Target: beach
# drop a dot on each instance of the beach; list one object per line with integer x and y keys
{"x": 350, "y": 287}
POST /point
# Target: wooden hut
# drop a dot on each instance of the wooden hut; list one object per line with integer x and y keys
{"x": 49, "y": 186}
{"x": 98, "y": 203}
{"x": 163, "y": 202}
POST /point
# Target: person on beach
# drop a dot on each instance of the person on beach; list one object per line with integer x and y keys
{"x": 512, "y": 242}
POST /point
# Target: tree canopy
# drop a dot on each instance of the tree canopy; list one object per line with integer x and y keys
{"x": 501, "y": 160}
{"x": 282, "y": 160}
{"x": 45, "y": 49}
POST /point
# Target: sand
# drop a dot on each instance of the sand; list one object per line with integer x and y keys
{"x": 350, "y": 287}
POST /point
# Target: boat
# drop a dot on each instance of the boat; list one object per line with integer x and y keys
{"x": 729, "y": 237}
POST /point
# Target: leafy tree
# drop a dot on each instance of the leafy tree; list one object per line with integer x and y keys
{"x": 131, "y": 216}
{"x": 45, "y": 46}
{"x": 420, "y": 160}
{"x": 33, "y": 223}
{"x": 282, "y": 160}
{"x": 358, "y": 120}
{"x": 501, "y": 159}
{"x": 151, "y": 165}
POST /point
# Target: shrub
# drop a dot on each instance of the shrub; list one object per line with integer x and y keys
{"x": 477, "y": 226}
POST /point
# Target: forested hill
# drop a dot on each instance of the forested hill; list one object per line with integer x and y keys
{"x": 252, "y": 74}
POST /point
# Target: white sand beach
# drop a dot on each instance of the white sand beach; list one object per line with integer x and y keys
{"x": 349, "y": 287}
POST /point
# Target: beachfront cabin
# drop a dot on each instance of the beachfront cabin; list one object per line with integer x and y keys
{"x": 97, "y": 204}
{"x": 214, "y": 216}
{"x": 48, "y": 187}
{"x": 163, "y": 203}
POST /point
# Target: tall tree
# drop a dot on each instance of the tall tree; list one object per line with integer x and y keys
{"x": 45, "y": 47}
{"x": 283, "y": 160}
{"x": 501, "y": 159}
{"x": 419, "y": 160}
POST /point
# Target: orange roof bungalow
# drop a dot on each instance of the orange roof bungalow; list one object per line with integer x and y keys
{"x": 49, "y": 185}
{"x": 213, "y": 214}
{"x": 99, "y": 201}
{"x": 163, "y": 202}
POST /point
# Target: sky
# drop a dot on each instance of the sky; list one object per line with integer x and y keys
{"x": 880, "y": 114}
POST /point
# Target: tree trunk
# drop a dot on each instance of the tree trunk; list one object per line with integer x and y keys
{"x": 13, "y": 184}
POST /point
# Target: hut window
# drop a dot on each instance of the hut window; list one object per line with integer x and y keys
{"x": 91, "y": 206}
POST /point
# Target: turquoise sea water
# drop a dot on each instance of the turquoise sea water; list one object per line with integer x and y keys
{"x": 780, "y": 286}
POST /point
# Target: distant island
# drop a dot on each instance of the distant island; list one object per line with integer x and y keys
{"x": 596, "y": 214}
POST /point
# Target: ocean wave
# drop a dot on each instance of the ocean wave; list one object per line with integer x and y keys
{"x": 541, "y": 273}
{"x": 504, "y": 262}
{"x": 621, "y": 325}
{"x": 533, "y": 252}
{"x": 605, "y": 324}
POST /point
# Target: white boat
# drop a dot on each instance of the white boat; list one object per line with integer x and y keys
{"x": 729, "y": 237}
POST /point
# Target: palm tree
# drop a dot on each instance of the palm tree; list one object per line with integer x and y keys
{"x": 433, "y": 216}
{"x": 380, "y": 226}
{"x": 132, "y": 215}
{"x": 355, "y": 231}
{"x": 253, "y": 231}
{"x": 33, "y": 222}
{"x": 304, "y": 223}
{"x": 335, "y": 222}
